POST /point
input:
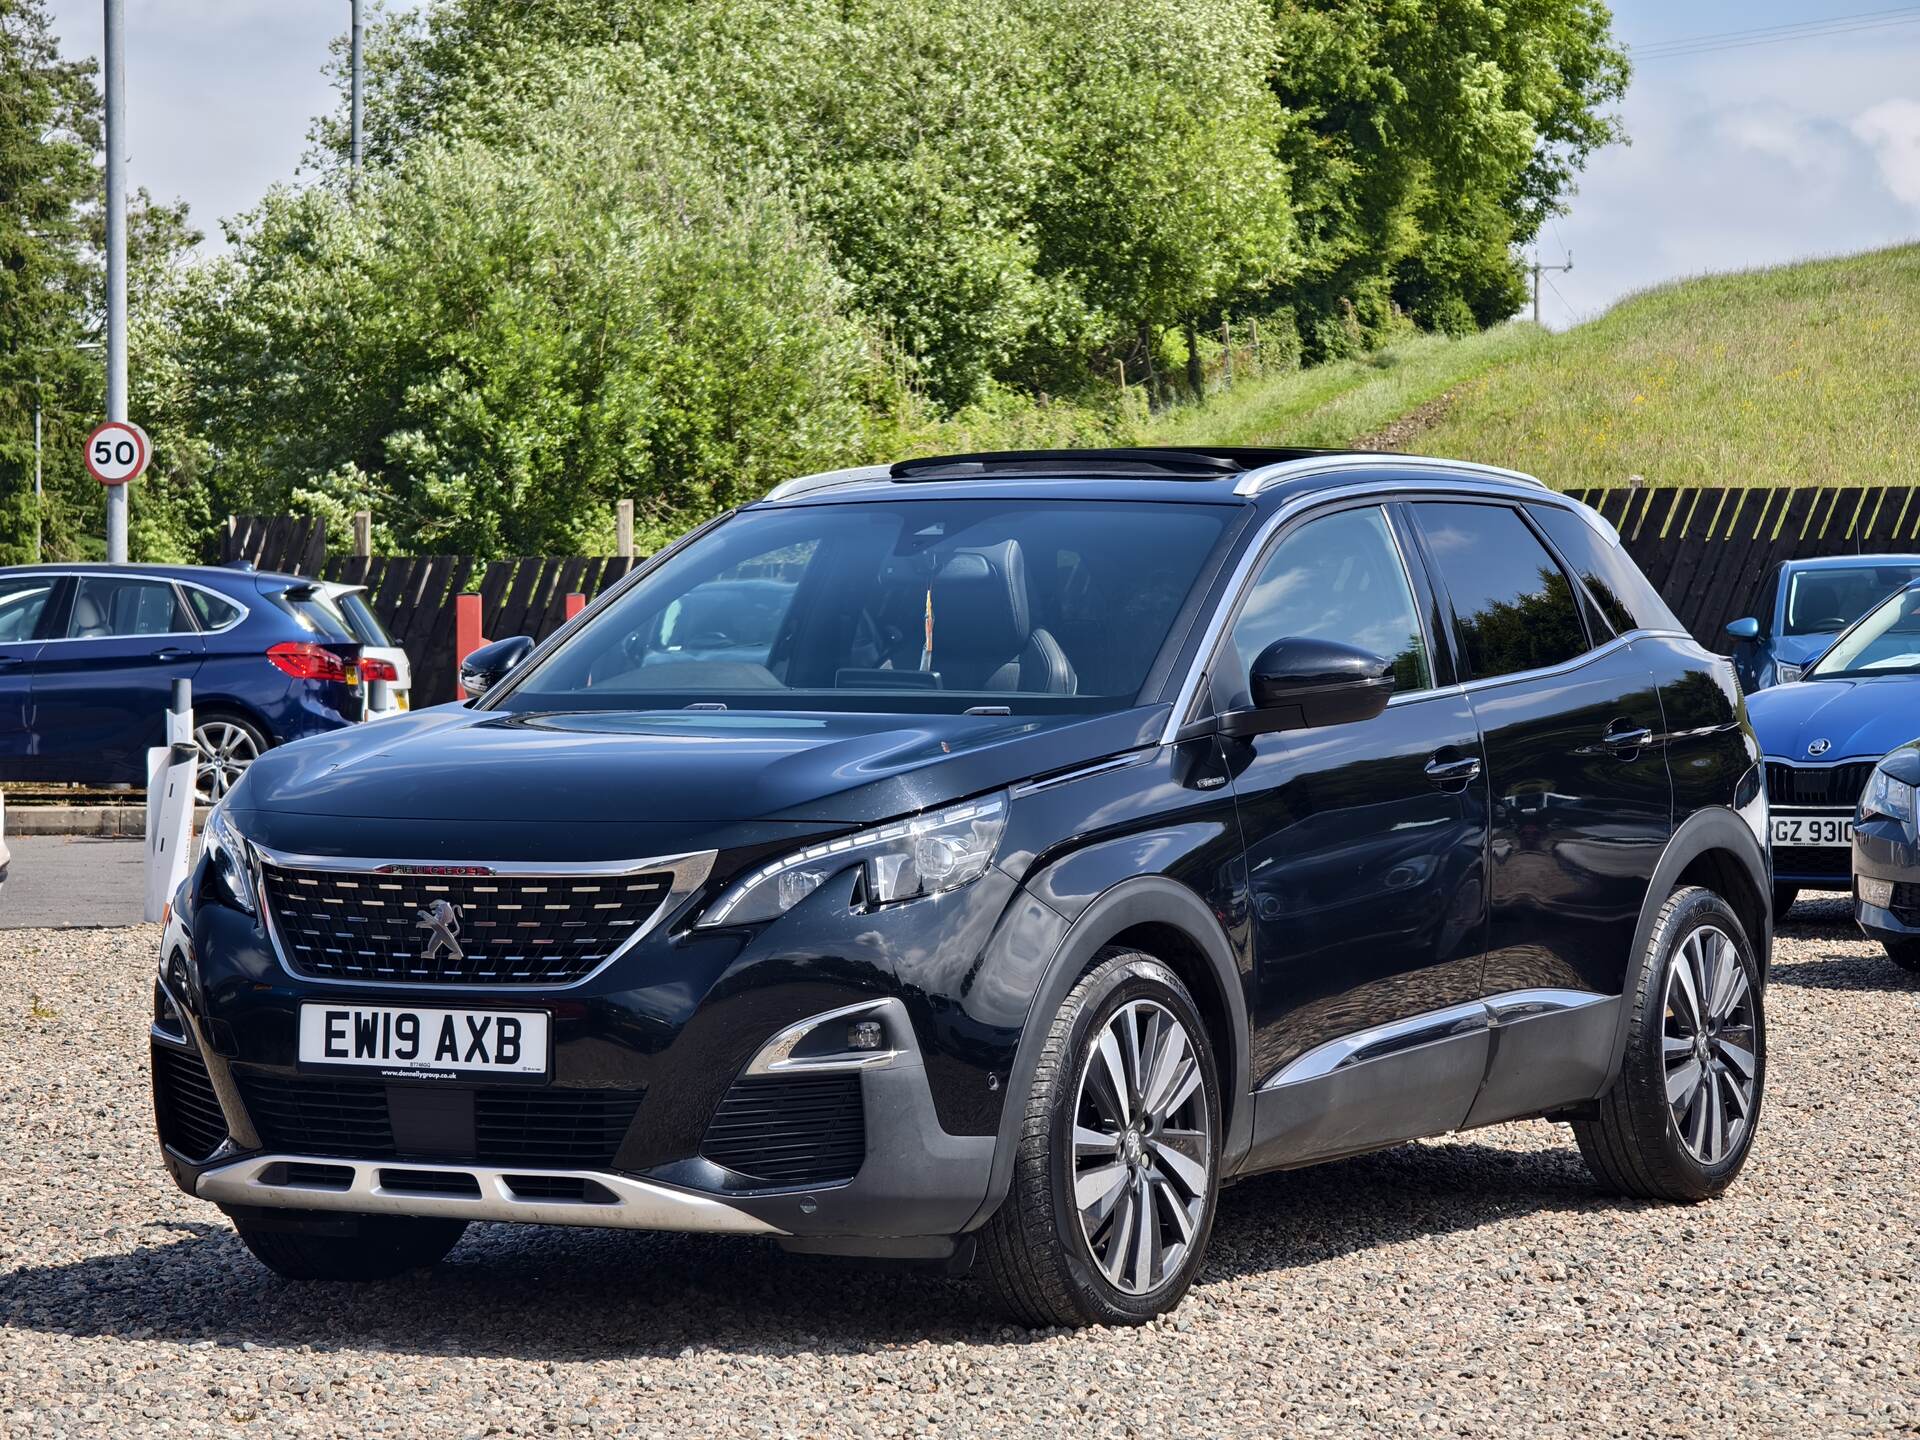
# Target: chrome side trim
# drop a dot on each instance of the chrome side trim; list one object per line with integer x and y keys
{"x": 1067, "y": 777}
{"x": 637, "y": 1204}
{"x": 828, "y": 480}
{"x": 1255, "y": 481}
{"x": 776, "y": 1057}
{"x": 689, "y": 871}
{"x": 1386, "y": 489}
{"x": 1379, "y": 1041}
{"x": 240, "y": 605}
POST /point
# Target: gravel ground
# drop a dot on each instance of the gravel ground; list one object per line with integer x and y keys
{"x": 1473, "y": 1286}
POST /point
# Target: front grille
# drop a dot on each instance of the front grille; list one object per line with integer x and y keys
{"x": 790, "y": 1129}
{"x": 1835, "y": 786}
{"x": 1835, "y": 861}
{"x": 511, "y": 1125}
{"x": 184, "y": 1104}
{"x": 510, "y": 929}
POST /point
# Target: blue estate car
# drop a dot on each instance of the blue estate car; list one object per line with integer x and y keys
{"x": 88, "y": 654}
{"x": 1823, "y": 735}
{"x": 1802, "y": 605}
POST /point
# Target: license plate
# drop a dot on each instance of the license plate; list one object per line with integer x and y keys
{"x": 400, "y": 699}
{"x": 416, "y": 1038}
{"x": 1812, "y": 830}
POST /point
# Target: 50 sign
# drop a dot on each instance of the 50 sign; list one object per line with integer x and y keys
{"x": 118, "y": 452}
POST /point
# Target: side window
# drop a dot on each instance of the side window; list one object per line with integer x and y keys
{"x": 108, "y": 606}
{"x": 1625, "y": 596}
{"x": 1339, "y": 578}
{"x": 21, "y": 606}
{"x": 1513, "y": 605}
{"x": 214, "y": 612}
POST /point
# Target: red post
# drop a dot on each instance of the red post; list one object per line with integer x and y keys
{"x": 466, "y": 628}
{"x": 576, "y": 602}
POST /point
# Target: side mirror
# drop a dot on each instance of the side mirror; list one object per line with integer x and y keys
{"x": 1745, "y": 628}
{"x": 1303, "y": 684}
{"x": 490, "y": 664}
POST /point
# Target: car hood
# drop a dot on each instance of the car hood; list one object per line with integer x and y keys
{"x": 1855, "y": 718}
{"x": 665, "y": 769}
{"x": 1801, "y": 649}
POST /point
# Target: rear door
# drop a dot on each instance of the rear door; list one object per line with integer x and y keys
{"x": 1582, "y": 807}
{"x": 101, "y": 690}
{"x": 26, "y": 609}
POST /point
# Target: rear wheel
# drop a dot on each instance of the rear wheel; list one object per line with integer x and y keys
{"x": 1783, "y": 898}
{"x": 1117, "y": 1172}
{"x": 299, "y": 1245}
{"x": 1678, "y": 1123}
{"x": 227, "y": 746}
{"x": 1904, "y": 953}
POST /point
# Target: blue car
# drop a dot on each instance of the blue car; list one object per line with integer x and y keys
{"x": 89, "y": 653}
{"x": 1823, "y": 735}
{"x": 1802, "y": 605}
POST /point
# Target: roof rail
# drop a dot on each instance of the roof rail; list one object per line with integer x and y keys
{"x": 1267, "y": 476}
{"x": 826, "y": 480}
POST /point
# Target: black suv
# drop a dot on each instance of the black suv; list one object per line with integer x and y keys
{"x": 986, "y": 858}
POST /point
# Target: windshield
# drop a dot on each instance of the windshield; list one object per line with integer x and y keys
{"x": 1826, "y": 601}
{"x": 937, "y": 605}
{"x": 1887, "y": 642}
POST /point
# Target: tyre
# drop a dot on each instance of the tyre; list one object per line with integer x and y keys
{"x": 1904, "y": 953}
{"x": 366, "y": 1247}
{"x": 1117, "y": 1171}
{"x": 1678, "y": 1123}
{"x": 227, "y": 744}
{"x": 1783, "y": 898}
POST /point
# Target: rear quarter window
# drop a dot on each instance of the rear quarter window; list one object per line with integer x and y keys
{"x": 1626, "y": 598}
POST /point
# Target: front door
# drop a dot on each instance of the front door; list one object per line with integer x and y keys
{"x": 1365, "y": 862}
{"x": 100, "y": 693}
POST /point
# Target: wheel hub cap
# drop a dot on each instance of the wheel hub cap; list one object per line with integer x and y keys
{"x": 1711, "y": 1045}
{"x": 1142, "y": 1147}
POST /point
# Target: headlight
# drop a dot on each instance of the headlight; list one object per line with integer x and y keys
{"x": 228, "y": 858}
{"x": 1786, "y": 674}
{"x": 903, "y": 860}
{"x": 1887, "y": 796}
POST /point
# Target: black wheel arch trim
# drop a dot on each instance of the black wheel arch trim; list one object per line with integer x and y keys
{"x": 1141, "y": 900}
{"x": 1704, "y": 832}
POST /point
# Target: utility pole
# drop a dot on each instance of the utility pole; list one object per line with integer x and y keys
{"x": 357, "y": 150}
{"x": 1537, "y": 268}
{"x": 116, "y": 261}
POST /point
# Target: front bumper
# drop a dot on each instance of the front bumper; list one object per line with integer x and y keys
{"x": 1887, "y": 850}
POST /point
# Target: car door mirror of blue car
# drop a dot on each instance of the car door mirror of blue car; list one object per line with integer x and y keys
{"x": 1745, "y": 628}
{"x": 1300, "y": 683}
{"x": 490, "y": 664}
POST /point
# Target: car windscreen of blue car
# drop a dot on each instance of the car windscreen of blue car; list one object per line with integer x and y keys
{"x": 921, "y": 605}
{"x": 1886, "y": 642}
{"x": 1826, "y": 600}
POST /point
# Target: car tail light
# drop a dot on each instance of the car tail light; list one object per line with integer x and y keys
{"x": 372, "y": 670}
{"x": 304, "y": 660}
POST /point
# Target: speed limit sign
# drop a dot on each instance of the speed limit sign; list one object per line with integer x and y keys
{"x": 118, "y": 452}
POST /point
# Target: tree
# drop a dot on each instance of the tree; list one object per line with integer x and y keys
{"x": 48, "y": 135}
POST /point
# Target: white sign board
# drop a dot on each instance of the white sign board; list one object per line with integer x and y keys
{"x": 118, "y": 452}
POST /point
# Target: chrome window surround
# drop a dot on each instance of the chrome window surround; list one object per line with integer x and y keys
{"x": 1397, "y": 1036}
{"x": 689, "y": 871}
{"x": 636, "y": 1204}
{"x": 178, "y": 585}
{"x": 1386, "y": 489}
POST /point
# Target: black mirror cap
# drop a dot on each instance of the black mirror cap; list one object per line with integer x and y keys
{"x": 1300, "y": 683}
{"x": 490, "y": 664}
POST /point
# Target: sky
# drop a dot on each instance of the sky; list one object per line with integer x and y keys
{"x": 1739, "y": 157}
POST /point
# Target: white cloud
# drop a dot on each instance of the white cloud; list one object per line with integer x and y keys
{"x": 1892, "y": 128}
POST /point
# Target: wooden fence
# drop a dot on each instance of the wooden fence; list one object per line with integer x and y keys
{"x": 1707, "y": 549}
{"x": 1704, "y": 549}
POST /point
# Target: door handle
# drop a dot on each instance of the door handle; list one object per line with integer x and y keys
{"x": 1627, "y": 743}
{"x": 7, "y": 662}
{"x": 1453, "y": 774}
{"x": 167, "y": 652}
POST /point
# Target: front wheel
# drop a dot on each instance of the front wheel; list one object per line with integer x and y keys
{"x": 1117, "y": 1173}
{"x": 1678, "y": 1123}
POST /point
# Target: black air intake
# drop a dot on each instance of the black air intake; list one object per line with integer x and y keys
{"x": 790, "y": 1129}
{"x": 184, "y": 1105}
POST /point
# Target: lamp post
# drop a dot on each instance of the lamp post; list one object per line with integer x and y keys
{"x": 115, "y": 78}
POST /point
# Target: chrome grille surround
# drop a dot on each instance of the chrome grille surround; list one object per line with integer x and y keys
{"x": 638, "y": 895}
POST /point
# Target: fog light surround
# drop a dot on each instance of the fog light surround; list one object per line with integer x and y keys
{"x": 1878, "y": 893}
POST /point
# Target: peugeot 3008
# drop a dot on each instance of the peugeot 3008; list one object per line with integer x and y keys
{"x": 1087, "y": 830}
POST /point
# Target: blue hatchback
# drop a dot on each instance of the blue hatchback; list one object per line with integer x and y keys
{"x": 1802, "y": 605}
{"x": 88, "y": 654}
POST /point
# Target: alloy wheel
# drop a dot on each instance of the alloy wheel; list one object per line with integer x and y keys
{"x": 226, "y": 750}
{"x": 1710, "y": 1045}
{"x": 1142, "y": 1146}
